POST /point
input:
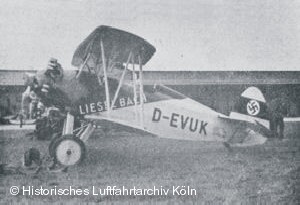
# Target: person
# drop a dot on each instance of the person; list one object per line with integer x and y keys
{"x": 278, "y": 108}
{"x": 54, "y": 70}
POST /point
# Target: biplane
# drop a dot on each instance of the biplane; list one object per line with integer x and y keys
{"x": 108, "y": 88}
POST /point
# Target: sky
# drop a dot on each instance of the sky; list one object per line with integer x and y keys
{"x": 188, "y": 35}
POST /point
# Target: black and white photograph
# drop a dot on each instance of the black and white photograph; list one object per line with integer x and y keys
{"x": 150, "y": 102}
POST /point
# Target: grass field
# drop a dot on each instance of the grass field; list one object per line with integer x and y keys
{"x": 264, "y": 174}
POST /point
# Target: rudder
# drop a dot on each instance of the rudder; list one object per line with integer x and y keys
{"x": 252, "y": 107}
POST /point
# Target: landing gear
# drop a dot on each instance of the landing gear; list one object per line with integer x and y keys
{"x": 67, "y": 150}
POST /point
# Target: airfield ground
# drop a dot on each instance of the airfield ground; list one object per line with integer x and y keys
{"x": 264, "y": 174}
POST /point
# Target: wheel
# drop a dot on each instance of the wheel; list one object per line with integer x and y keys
{"x": 51, "y": 146}
{"x": 68, "y": 150}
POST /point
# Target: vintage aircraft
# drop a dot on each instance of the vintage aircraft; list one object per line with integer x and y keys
{"x": 108, "y": 88}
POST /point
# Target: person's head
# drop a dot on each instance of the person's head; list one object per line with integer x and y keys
{"x": 52, "y": 63}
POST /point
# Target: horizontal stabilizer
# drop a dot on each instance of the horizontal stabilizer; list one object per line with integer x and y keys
{"x": 248, "y": 133}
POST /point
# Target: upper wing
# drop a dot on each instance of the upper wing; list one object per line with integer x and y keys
{"x": 117, "y": 43}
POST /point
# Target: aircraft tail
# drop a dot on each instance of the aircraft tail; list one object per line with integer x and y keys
{"x": 252, "y": 107}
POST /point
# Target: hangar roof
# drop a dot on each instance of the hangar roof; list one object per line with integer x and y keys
{"x": 17, "y": 77}
{"x": 222, "y": 77}
{"x": 13, "y": 77}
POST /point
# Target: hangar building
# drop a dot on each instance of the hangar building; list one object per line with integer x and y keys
{"x": 217, "y": 89}
{"x": 220, "y": 89}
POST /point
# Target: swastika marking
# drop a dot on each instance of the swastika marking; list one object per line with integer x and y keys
{"x": 253, "y": 107}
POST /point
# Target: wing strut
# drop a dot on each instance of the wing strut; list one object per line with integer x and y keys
{"x": 105, "y": 77}
{"x": 141, "y": 91}
{"x": 83, "y": 65}
{"x": 134, "y": 82}
{"x": 121, "y": 81}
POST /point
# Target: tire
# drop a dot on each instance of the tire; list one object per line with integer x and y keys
{"x": 68, "y": 150}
